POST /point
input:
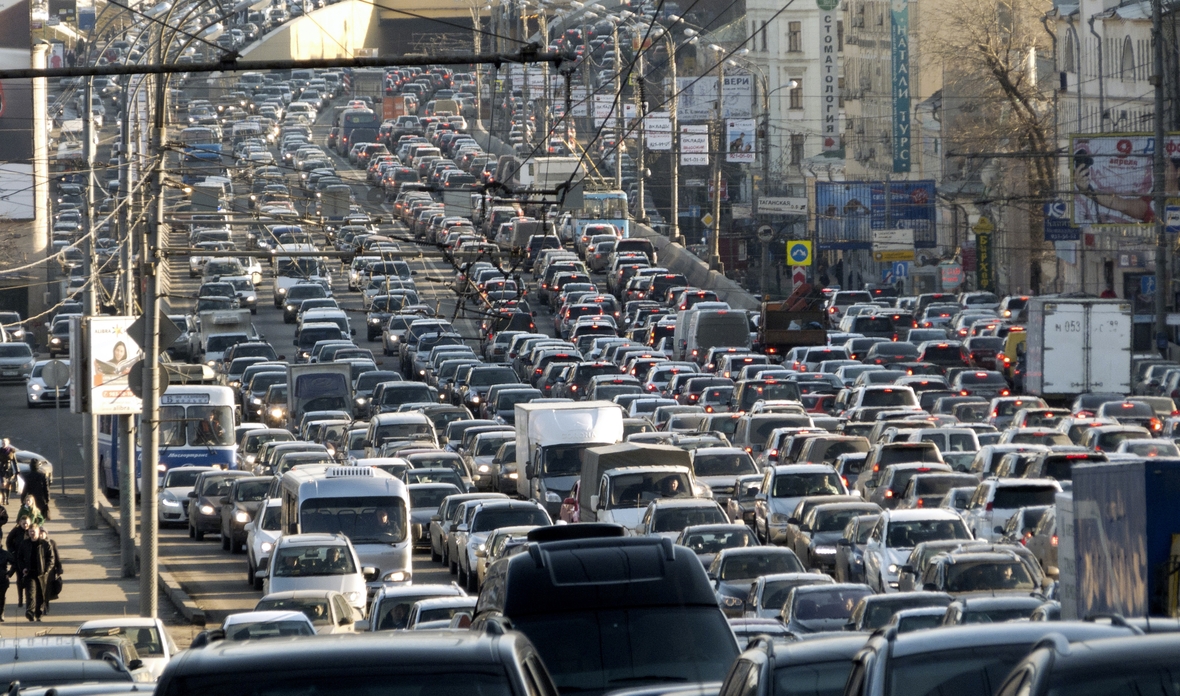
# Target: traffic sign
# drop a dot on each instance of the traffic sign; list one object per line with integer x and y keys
{"x": 901, "y": 269}
{"x": 765, "y": 233}
{"x": 1147, "y": 285}
{"x": 55, "y": 374}
{"x": 707, "y": 219}
{"x": 799, "y": 252}
{"x": 1172, "y": 219}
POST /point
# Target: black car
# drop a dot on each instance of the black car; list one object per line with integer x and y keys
{"x": 238, "y": 506}
{"x": 767, "y": 668}
{"x": 1112, "y": 666}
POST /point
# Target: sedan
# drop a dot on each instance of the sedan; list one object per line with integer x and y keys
{"x": 37, "y": 393}
{"x": 17, "y": 361}
{"x": 240, "y": 505}
{"x": 328, "y": 610}
{"x": 261, "y": 534}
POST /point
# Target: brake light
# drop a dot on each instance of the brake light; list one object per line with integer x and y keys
{"x": 889, "y": 494}
{"x": 989, "y": 507}
{"x": 1053, "y": 540}
{"x": 921, "y": 503}
{"x": 964, "y": 393}
{"x": 1005, "y": 392}
{"x": 772, "y": 453}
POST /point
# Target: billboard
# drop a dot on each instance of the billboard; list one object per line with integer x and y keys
{"x": 846, "y": 212}
{"x": 657, "y": 131}
{"x": 740, "y": 140}
{"x": 694, "y": 145}
{"x": 899, "y": 24}
{"x": 16, "y": 114}
{"x": 110, "y": 353}
{"x": 697, "y": 95}
{"x": 1110, "y": 177}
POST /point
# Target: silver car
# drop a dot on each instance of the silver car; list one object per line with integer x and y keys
{"x": 37, "y": 393}
{"x": 16, "y": 361}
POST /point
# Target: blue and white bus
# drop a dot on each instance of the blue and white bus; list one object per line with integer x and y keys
{"x": 196, "y": 429}
{"x": 604, "y": 206}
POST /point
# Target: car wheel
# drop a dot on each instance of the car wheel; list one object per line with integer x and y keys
{"x": 434, "y": 555}
{"x": 236, "y": 547}
{"x": 30, "y": 404}
{"x": 198, "y": 535}
{"x": 191, "y": 532}
{"x": 249, "y": 573}
{"x": 462, "y": 577}
{"x": 453, "y": 565}
{"x": 258, "y": 583}
{"x": 225, "y": 541}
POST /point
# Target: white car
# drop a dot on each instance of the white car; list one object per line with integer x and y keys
{"x": 38, "y": 394}
{"x": 897, "y": 533}
{"x": 261, "y": 535}
{"x": 172, "y": 494}
{"x": 327, "y": 610}
{"x": 471, "y": 538}
{"x": 437, "y": 612}
{"x": 150, "y": 638}
{"x": 995, "y": 500}
{"x": 250, "y": 625}
{"x": 317, "y": 562}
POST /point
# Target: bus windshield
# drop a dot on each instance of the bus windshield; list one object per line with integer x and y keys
{"x": 605, "y": 206}
{"x": 196, "y": 426}
{"x": 363, "y": 519}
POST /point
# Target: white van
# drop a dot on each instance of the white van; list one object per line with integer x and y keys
{"x": 367, "y": 505}
{"x": 713, "y": 328}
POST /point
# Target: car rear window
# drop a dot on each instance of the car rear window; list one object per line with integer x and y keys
{"x": 1009, "y": 497}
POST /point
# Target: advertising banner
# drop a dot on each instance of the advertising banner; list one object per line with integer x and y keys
{"x": 16, "y": 114}
{"x": 578, "y": 101}
{"x": 1110, "y": 177}
{"x": 658, "y": 131}
{"x": 694, "y": 145}
{"x": 604, "y": 111}
{"x": 1057, "y": 224}
{"x": 740, "y": 140}
{"x": 697, "y": 95}
{"x": 899, "y": 25}
{"x": 111, "y": 351}
{"x": 829, "y": 76}
{"x": 846, "y": 212}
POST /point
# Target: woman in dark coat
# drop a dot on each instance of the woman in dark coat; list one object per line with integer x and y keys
{"x": 37, "y": 485}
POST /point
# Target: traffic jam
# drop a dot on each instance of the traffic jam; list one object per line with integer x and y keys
{"x": 631, "y": 485}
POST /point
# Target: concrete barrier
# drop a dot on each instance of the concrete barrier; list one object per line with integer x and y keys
{"x": 677, "y": 259}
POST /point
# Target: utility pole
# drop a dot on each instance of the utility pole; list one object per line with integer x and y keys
{"x": 127, "y": 522}
{"x": 717, "y": 146}
{"x": 543, "y": 23}
{"x": 618, "y": 107}
{"x": 1163, "y": 281}
{"x": 90, "y": 424}
{"x": 150, "y": 424}
{"x": 674, "y": 231}
{"x": 641, "y": 144}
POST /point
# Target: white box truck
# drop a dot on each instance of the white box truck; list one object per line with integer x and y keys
{"x": 1078, "y": 345}
{"x": 550, "y": 440}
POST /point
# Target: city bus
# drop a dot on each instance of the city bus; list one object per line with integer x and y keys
{"x": 603, "y": 206}
{"x": 356, "y": 126}
{"x": 196, "y": 429}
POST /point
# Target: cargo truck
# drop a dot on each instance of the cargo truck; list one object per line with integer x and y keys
{"x": 1077, "y": 345}
{"x": 550, "y": 440}
{"x": 317, "y": 387}
{"x": 1116, "y": 539}
{"x": 796, "y": 321}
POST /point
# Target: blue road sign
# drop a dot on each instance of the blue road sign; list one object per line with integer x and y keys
{"x": 1147, "y": 285}
{"x": 901, "y": 269}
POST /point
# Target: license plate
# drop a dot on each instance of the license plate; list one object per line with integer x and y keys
{"x": 8, "y": 373}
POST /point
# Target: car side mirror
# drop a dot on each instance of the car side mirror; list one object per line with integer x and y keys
{"x": 530, "y": 471}
{"x": 481, "y": 553}
{"x": 594, "y": 501}
{"x": 249, "y": 527}
{"x": 370, "y": 573}
{"x": 361, "y": 625}
{"x": 804, "y": 527}
{"x": 998, "y": 529}
{"x": 436, "y": 518}
{"x": 135, "y": 664}
{"x": 907, "y": 569}
{"x": 224, "y": 500}
{"x": 793, "y": 520}
{"x": 929, "y": 587}
{"x": 192, "y": 494}
{"x": 843, "y": 542}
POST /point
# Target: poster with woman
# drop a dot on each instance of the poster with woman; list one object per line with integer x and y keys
{"x": 1111, "y": 178}
{"x": 112, "y": 352}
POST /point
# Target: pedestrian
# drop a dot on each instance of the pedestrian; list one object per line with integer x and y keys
{"x": 54, "y": 585}
{"x": 37, "y": 485}
{"x": 7, "y": 570}
{"x": 35, "y": 558}
{"x": 12, "y": 544}
{"x": 30, "y": 509}
{"x": 7, "y": 469}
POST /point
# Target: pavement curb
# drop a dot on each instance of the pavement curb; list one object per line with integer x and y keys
{"x": 168, "y": 583}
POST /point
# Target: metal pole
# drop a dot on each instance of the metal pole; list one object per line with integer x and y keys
{"x": 126, "y": 432}
{"x": 641, "y": 144}
{"x": 674, "y": 232}
{"x": 717, "y": 147}
{"x": 1163, "y": 283}
{"x": 765, "y": 184}
{"x": 543, "y": 21}
{"x": 618, "y": 107}
{"x": 90, "y": 424}
{"x": 149, "y": 563}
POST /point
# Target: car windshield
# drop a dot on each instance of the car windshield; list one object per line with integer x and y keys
{"x": 806, "y": 484}
{"x": 308, "y": 561}
{"x": 314, "y": 608}
{"x": 15, "y": 350}
{"x": 1010, "y": 497}
{"x": 834, "y": 520}
{"x": 363, "y": 519}
{"x": 493, "y": 519}
{"x": 252, "y": 491}
{"x": 747, "y": 566}
{"x": 974, "y": 671}
{"x": 488, "y": 446}
{"x": 723, "y": 464}
{"x": 676, "y": 519}
{"x": 826, "y": 605}
{"x": 637, "y": 490}
{"x": 485, "y": 378}
{"x": 591, "y": 652}
{"x": 877, "y": 614}
{"x": 703, "y": 542}
{"x": 910, "y": 533}
{"x": 429, "y": 497}
{"x": 400, "y": 431}
{"x": 179, "y": 478}
{"x": 812, "y": 679}
{"x": 145, "y": 638}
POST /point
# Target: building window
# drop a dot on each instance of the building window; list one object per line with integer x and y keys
{"x": 764, "y": 37}
{"x": 796, "y": 148}
{"x": 840, "y": 89}
{"x": 794, "y": 37}
{"x": 840, "y": 35}
{"x": 1067, "y": 58}
{"x": 796, "y": 95}
{"x": 1127, "y": 64}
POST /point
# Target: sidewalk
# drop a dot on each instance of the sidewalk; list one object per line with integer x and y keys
{"x": 93, "y": 586}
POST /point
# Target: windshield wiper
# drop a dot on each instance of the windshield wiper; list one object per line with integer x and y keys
{"x": 649, "y": 678}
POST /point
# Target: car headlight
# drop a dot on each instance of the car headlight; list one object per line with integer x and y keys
{"x": 282, "y": 291}
{"x": 35, "y": 387}
{"x": 893, "y": 568}
{"x": 211, "y": 363}
{"x": 206, "y": 509}
{"x": 374, "y": 320}
{"x": 484, "y": 468}
{"x": 170, "y": 502}
{"x": 55, "y": 340}
{"x": 360, "y": 401}
{"x": 256, "y": 401}
{"x": 513, "y": 475}
{"x": 732, "y": 602}
{"x": 352, "y": 596}
{"x": 396, "y": 576}
{"x": 393, "y": 339}
{"x": 29, "y": 365}
{"x": 251, "y": 298}
{"x": 551, "y": 497}
{"x": 276, "y": 412}
{"x": 251, "y": 458}
{"x": 266, "y": 546}
{"x": 290, "y": 308}
{"x": 241, "y": 516}
{"x": 235, "y": 384}
{"x": 777, "y": 518}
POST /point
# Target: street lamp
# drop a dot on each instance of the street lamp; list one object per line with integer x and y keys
{"x": 715, "y": 239}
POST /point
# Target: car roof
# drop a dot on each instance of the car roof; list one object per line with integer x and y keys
{"x": 924, "y": 514}
{"x": 682, "y": 502}
{"x": 1008, "y": 633}
{"x": 313, "y": 538}
{"x": 801, "y": 468}
{"x": 1000, "y": 601}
